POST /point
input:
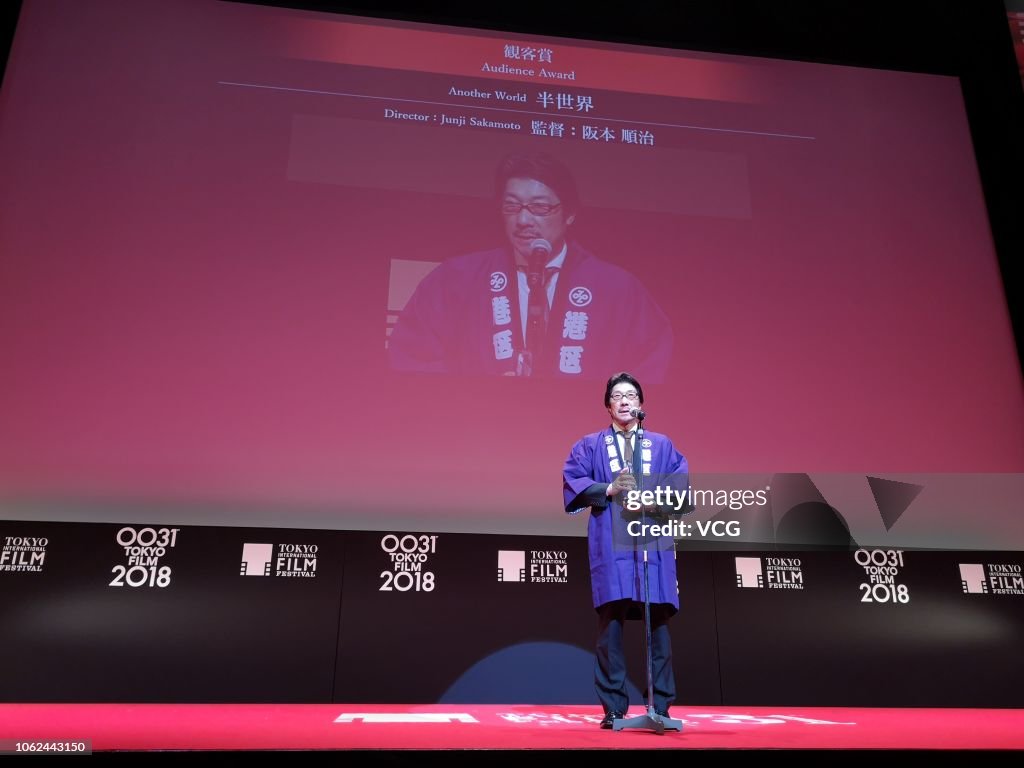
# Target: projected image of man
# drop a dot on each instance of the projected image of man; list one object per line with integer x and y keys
{"x": 540, "y": 305}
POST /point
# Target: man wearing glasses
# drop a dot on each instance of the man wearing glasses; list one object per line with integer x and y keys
{"x": 539, "y": 306}
{"x": 601, "y": 471}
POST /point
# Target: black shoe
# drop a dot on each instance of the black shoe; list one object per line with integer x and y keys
{"x": 610, "y": 717}
{"x": 661, "y": 712}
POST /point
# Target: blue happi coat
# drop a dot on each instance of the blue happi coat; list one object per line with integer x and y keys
{"x": 616, "y": 566}
{"x": 464, "y": 317}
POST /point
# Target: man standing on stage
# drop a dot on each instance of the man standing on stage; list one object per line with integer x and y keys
{"x": 602, "y": 472}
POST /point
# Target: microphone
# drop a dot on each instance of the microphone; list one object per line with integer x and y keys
{"x": 638, "y": 414}
{"x": 540, "y": 252}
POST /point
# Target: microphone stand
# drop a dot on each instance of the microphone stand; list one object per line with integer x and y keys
{"x": 650, "y": 720}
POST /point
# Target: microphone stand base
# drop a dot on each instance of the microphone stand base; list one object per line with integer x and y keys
{"x": 649, "y": 721}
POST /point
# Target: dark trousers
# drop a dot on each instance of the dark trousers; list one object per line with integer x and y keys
{"x": 610, "y": 664}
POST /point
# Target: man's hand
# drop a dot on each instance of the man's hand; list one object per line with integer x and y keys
{"x": 625, "y": 481}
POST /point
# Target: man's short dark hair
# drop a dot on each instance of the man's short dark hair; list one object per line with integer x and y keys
{"x": 545, "y": 169}
{"x": 620, "y": 378}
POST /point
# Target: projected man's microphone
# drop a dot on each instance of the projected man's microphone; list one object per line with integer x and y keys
{"x": 537, "y": 279}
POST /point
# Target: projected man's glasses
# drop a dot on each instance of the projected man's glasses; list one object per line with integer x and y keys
{"x": 537, "y": 209}
{"x": 617, "y": 396}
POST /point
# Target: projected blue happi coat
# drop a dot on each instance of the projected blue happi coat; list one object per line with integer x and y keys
{"x": 464, "y": 317}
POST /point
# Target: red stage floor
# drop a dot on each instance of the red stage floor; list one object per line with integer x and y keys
{"x": 136, "y": 727}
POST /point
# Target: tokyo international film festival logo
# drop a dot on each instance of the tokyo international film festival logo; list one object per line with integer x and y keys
{"x": 991, "y": 579}
{"x": 545, "y": 566}
{"x": 23, "y": 553}
{"x": 774, "y": 572}
{"x": 291, "y": 560}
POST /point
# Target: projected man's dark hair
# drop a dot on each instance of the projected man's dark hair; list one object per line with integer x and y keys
{"x": 544, "y": 168}
{"x": 620, "y": 378}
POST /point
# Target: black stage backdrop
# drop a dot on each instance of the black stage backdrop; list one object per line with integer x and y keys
{"x": 203, "y": 614}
